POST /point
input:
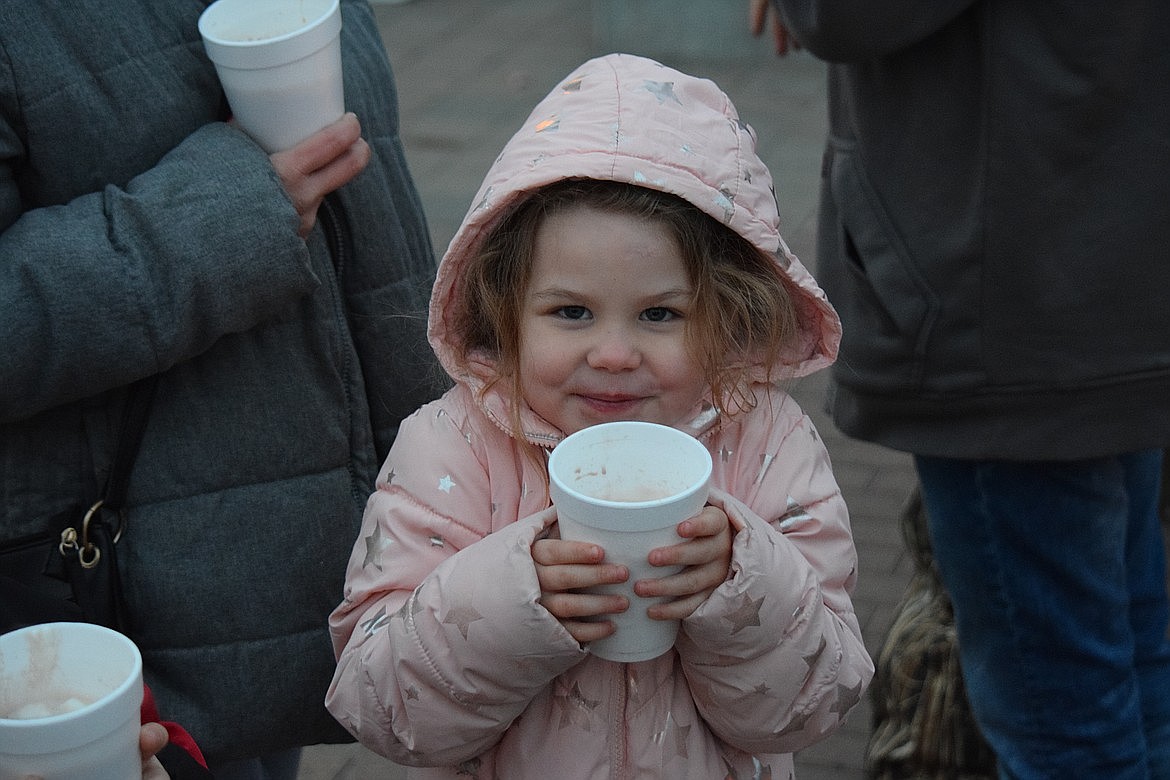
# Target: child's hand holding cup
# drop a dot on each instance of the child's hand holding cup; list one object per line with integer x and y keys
{"x": 625, "y": 486}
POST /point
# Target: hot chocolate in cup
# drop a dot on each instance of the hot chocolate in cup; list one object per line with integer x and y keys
{"x": 626, "y": 486}
{"x": 70, "y": 703}
{"x": 279, "y": 62}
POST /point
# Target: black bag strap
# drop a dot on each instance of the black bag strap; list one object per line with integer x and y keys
{"x": 134, "y": 419}
{"x": 85, "y": 556}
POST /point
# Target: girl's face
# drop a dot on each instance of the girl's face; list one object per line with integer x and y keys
{"x": 602, "y": 331}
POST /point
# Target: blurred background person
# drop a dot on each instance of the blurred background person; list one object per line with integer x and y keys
{"x": 993, "y": 231}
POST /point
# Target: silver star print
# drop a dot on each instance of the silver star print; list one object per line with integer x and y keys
{"x": 575, "y": 708}
{"x": 410, "y": 608}
{"x": 847, "y": 698}
{"x": 436, "y": 541}
{"x": 661, "y": 90}
{"x": 766, "y": 459}
{"x": 550, "y": 125}
{"x": 797, "y": 723}
{"x": 376, "y": 544}
{"x": 724, "y": 202}
{"x": 462, "y": 616}
{"x": 812, "y": 658}
{"x": 761, "y": 771}
{"x": 673, "y": 736}
{"x": 642, "y": 180}
{"x": 572, "y": 86}
{"x": 446, "y": 483}
{"x": 411, "y": 693}
{"x": 794, "y": 514}
{"x": 378, "y": 621}
{"x": 633, "y": 688}
{"x": 747, "y": 614}
{"x": 485, "y": 201}
{"x": 725, "y": 454}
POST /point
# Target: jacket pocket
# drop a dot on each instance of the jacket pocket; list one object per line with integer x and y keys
{"x": 886, "y": 306}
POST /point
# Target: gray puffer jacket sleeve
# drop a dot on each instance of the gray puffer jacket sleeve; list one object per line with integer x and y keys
{"x": 146, "y": 275}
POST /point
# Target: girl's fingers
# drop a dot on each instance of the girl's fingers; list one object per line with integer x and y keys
{"x": 553, "y": 552}
{"x": 585, "y": 633}
{"x": 679, "y": 609}
{"x": 575, "y": 576}
{"x": 566, "y": 606}
{"x": 693, "y": 579}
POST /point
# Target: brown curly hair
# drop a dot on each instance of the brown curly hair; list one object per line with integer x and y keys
{"x": 742, "y": 313}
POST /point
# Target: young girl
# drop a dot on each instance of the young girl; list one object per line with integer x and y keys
{"x": 620, "y": 262}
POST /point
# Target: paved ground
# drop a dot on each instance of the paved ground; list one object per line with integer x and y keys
{"x": 469, "y": 71}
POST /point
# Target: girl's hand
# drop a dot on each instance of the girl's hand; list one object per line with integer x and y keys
{"x": 320, "y": 164}
{"x": 707, "y": 557}
{"x": 563, "y": 568}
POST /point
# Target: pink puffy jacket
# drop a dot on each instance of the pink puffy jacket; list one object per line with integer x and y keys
{"x": 445, "y": 658}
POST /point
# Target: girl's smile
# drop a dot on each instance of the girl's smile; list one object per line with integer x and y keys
{"x": 603, "y": 330}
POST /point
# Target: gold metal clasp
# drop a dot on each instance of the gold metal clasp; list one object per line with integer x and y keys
{"x": 88, "y": 554}
{"x": 68, "y": 541}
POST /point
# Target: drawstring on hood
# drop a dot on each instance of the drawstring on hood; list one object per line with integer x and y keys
{"x": 629, "y": 119}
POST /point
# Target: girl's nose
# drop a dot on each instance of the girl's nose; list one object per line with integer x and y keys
{"x": 615, "y": 350}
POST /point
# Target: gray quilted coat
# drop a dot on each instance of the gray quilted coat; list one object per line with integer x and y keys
{"x": 141, "y": 235}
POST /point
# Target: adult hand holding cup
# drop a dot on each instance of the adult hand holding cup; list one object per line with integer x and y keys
{"x": 279, "y": 62}
{"x": 625, "y": 486}
{"x": 70, "y": 703}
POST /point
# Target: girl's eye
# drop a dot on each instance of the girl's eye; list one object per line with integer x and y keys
{"x": 659, "y": 314}
{"x": 572, "y": 312}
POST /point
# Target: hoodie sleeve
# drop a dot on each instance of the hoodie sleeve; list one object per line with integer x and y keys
{"x": 775, "y": 656}
{"x": 441, "y": 642}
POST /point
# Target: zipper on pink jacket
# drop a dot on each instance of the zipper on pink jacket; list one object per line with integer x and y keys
{"x": 619, "y": 735}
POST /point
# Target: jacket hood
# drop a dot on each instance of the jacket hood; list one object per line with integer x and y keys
{"x": 630, "y": 119}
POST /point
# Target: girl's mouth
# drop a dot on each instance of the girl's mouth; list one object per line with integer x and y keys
{"x": 610, "y": 404}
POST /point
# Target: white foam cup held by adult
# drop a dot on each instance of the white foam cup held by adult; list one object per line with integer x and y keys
{"x": 70, "y": 704}
{"x": 279, "y": 62}
{"x": 626, "y": 486}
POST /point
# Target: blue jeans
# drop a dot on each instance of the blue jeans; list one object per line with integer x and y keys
{"x": 1057, "y": 572}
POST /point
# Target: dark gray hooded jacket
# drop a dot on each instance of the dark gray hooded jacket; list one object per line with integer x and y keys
{"x": 140, "y": 235}
{"x": 995, "y": 223}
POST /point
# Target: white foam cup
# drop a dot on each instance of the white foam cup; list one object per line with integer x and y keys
{"x": 626, "y": 486}
{"x": 70, "y": 703}
{"x": 279, "y": 62}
